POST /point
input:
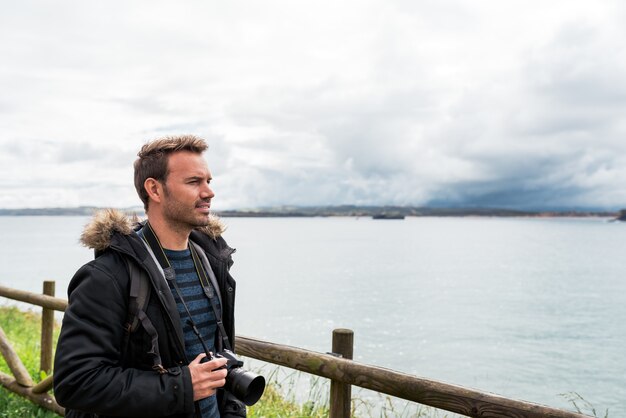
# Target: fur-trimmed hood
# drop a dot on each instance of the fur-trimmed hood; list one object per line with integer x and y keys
{"x": 98, "y": 232}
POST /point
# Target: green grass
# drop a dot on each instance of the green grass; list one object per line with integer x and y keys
{"x": 279, "y": 398}
{"x": 274, "y": 405}
{"x": 582, "y": 406}
{"x": 24, "y": 332}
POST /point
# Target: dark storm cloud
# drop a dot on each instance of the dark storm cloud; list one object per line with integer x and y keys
{"x": 551, "y": 137}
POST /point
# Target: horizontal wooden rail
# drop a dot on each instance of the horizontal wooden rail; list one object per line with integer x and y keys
{"x": 440, "y": 395}
{"x": 45, "y": 301}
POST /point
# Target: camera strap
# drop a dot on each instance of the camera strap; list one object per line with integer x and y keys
{"x": 208, "y": 291}
{"x": 170, "y": 275}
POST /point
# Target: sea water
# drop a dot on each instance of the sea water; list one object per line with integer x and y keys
{"x": 527, "y": 308}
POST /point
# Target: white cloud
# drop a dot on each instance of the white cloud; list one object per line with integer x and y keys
{"x": 452, "y": 102}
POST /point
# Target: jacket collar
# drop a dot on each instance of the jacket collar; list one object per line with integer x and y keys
{"x": 98, "y": 233}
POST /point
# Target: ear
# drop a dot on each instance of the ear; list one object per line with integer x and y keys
{"x": 154, "y": 188}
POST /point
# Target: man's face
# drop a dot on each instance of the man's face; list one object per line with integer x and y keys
{"x": 187, "y": 195}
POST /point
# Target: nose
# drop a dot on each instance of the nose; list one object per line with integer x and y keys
{"x": 207, "y": 192}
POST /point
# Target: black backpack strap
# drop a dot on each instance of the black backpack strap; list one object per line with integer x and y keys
{"x": 139, "y": 294}
{"x": 139, "y": 297}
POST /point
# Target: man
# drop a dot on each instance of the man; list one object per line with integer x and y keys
{"x": 108, "y": 365}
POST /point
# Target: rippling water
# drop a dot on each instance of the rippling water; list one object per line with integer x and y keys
{"x": 525, "y": 308}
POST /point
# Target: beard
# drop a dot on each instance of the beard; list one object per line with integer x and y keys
{"x": 183, "y": 216}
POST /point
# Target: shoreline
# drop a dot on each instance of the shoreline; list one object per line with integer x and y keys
{"x": 333, "y": 211}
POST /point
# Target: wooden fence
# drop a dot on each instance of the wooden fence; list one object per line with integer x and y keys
{"x": 21, "y": 381}
{"x": 338, "y": 367}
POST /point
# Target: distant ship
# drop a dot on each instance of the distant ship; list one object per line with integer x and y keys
{"x": 387, "y": 216}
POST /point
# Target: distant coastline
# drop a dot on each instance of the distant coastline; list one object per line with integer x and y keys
{"x": 327, "y": 211}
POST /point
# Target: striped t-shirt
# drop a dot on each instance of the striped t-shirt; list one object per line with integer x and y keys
{"x": 201, "y": 312}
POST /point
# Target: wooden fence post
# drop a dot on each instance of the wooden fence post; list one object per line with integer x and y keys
{"x": 341, "y": 393}
{"x": 47, "y": 330}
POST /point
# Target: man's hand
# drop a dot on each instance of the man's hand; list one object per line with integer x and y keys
{"x": 205, "y": 379}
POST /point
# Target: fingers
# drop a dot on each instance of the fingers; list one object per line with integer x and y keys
{"x": 198, "y": 359}
{"x": 216, "y": 363}
{"x": 213, "y": 364}
{"x": 206, "y": 377}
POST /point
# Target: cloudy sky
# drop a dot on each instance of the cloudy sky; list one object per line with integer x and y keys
{"x": 518, "y": 104}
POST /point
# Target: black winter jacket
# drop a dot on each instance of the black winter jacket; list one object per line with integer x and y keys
{"x": 98, "y": 367}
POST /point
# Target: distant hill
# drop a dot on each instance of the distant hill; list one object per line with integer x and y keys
{"x": 353, "y": 210}
{"x": 367, "y": 211}
{"x": 77, "y": 211}
{"x": 321, "y": 211}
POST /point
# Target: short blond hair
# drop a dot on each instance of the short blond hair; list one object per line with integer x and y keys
{"x": 153, "y": 158}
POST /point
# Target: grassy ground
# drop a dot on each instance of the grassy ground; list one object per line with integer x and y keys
{"x": 274, "y": 405}
{"x": 279, "y": 398}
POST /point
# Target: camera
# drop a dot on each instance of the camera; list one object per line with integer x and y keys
{"x": 244, "y": 385}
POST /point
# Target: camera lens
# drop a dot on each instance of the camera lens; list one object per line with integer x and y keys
{"x": 246, "y": 386}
